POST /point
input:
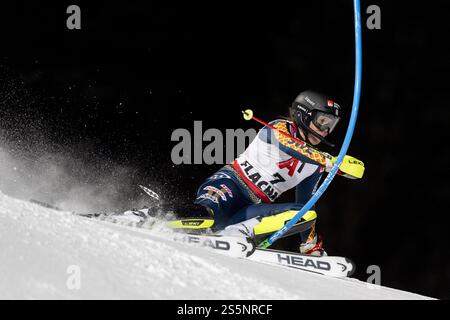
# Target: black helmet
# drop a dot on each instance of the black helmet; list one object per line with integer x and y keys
{"x": 318, "y": 108}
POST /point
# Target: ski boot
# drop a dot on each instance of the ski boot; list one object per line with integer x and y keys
{"x": 313, "y": 245}
{"x": 193, "y": 218}
{"x": 241, "y": 229}
{"x": 133, "y": 217}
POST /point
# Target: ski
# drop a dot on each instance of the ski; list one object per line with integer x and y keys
{"x": 188, "y": 232}
{"x": 237, "y": 247}
{"x": 332, "y": 266}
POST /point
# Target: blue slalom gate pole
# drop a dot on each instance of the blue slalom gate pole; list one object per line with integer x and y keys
{"x": 348, "y": 137}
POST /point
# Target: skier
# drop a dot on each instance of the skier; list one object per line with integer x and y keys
{"x": 240, "y": 195}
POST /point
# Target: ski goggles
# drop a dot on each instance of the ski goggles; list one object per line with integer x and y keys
{"x": 324, "y": 121}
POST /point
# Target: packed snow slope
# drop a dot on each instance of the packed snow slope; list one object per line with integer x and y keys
{"x": 42, "y": 250}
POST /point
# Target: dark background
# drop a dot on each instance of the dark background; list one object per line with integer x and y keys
{"x": 116, "y": 89}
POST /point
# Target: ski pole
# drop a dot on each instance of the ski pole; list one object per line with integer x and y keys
{"x": 306, "y": 150}
{"x": 348, "y": 137}
{"x": 248, "y": 115}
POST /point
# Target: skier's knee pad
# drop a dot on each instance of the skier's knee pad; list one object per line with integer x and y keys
{"x": 273, "y": 223}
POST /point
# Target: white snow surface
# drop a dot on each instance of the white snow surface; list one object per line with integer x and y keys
{"x": 40, "y": 246}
